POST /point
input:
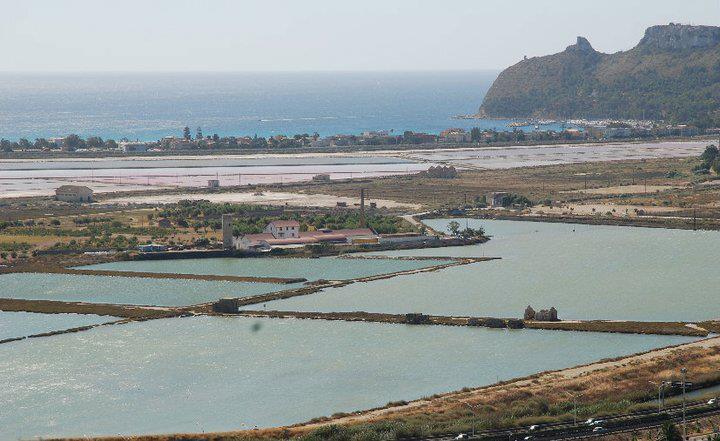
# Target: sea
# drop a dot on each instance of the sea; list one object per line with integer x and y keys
{"x": 148, "y": 106}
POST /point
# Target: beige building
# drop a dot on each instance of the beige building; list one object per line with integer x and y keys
{"x": 287, "y": 234}
{"x": 455, "y": 135}
{"x": 74, "y": 193}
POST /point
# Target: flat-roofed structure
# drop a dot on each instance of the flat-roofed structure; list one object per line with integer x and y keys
{"x": 74, "y": 193}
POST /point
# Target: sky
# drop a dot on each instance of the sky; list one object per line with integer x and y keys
{"x": 319, "y": 35}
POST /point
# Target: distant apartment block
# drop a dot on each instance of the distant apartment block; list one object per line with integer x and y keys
{"x": 455, "y": 135}
{"x": 130, "y": 147}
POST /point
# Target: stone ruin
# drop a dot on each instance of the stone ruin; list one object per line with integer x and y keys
{"x": 544, "y": 315}
{"x": 416, "y": 318}
{"x": 227, "y": 305}
{"x": 529, "y": 313}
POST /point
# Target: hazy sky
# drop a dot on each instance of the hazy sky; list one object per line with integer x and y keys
{"x": 239, "y": 35}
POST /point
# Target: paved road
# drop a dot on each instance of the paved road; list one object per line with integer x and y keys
{"x": 615, "y": 424}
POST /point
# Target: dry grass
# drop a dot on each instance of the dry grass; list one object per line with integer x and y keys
{"x": 626, "y": 327}
{"x": 537, "y": 183}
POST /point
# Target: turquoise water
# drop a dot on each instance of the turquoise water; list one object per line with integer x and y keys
{"x": 22, "y": 324}
{"x": 221, "y": 373}
{"x": 312, "y": 269}
{"x": 586, "y": 272}
{"x": 125, "y": 290}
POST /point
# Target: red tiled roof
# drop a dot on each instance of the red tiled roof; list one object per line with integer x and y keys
{"x": 292, "y": 240}
{"x": 344, "y": 233}
{"x": 285, "y": 223}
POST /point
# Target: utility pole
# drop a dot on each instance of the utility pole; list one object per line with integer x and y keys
{"x": 661, "y": 385}
{"x": 574, "y": 398}
{"x": 363, "y": 222}
{"x": 684, "y": 375}
{"x": 473, "y": 410}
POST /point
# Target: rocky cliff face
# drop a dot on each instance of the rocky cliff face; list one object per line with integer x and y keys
{"x": 672, "y": 74}
{"x": 675, "y": 37}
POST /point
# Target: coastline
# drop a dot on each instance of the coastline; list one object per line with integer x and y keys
{"x": 344, "y": 151}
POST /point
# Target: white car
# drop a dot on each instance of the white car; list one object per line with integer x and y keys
{"x": 712, "y": 401}
{"x": 462, "y": 436}
{"x": 535, "y": 427}
{"x": 599, "y": 429}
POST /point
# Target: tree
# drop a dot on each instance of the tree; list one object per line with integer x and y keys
{"x": 6, "y": 146}
{"x": 198, "y": 133}
{"x": 454, "y": 228}
{"x": 42, "y": 143}
{"x": 715, "y": 166}
{"x": 24, "y": 143}
{"x": 709, "y": 154}
{"x": 475, "y": 134}
{"x": 471, "y": 232}
{"x": 94, "y": 141}
{"x": 670, "y": 432}
{"x": 73, "y": 141}
{"x": 110, "y": 144}
{"x": 186, "y": 133}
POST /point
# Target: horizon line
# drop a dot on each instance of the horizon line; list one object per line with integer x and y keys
{"x": 318, "y": 71}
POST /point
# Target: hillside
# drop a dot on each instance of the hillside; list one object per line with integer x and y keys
{"x": 673, "y": 74}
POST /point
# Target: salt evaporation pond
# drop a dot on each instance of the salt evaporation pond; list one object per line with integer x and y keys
{"x": 585, "y": 271}
{"x": 329, "y": 268}
{"x": 21, "y": 324}
{"x": 530, "y": 156}
{"x": 40, "y": 177}
{"x": 125, "y": 290}
{"x": 221, "y": 373}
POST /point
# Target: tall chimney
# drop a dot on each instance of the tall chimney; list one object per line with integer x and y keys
{"x": 227, "y": 231}
{"x": 363, "y": 223}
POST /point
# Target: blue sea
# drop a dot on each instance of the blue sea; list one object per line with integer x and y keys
{"x": 150, "y": 106}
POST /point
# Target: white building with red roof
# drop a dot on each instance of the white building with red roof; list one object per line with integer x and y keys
{"x": 283, "y": 229}
{"x": 287, "y": 234}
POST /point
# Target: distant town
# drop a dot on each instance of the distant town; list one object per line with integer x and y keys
{"x": 571, "y": 131}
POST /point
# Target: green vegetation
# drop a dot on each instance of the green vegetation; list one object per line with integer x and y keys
{"x": 679, "y": 83}
{"x": 351, "y": 219}
{"x": 467, "y": 232}
{"x": 252, "y": 219}
{"x": 522, "y": 411}
{"x": 516, "y": 200}
{"x": 670, "y": 432}
{"x": 710, "y": 161}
